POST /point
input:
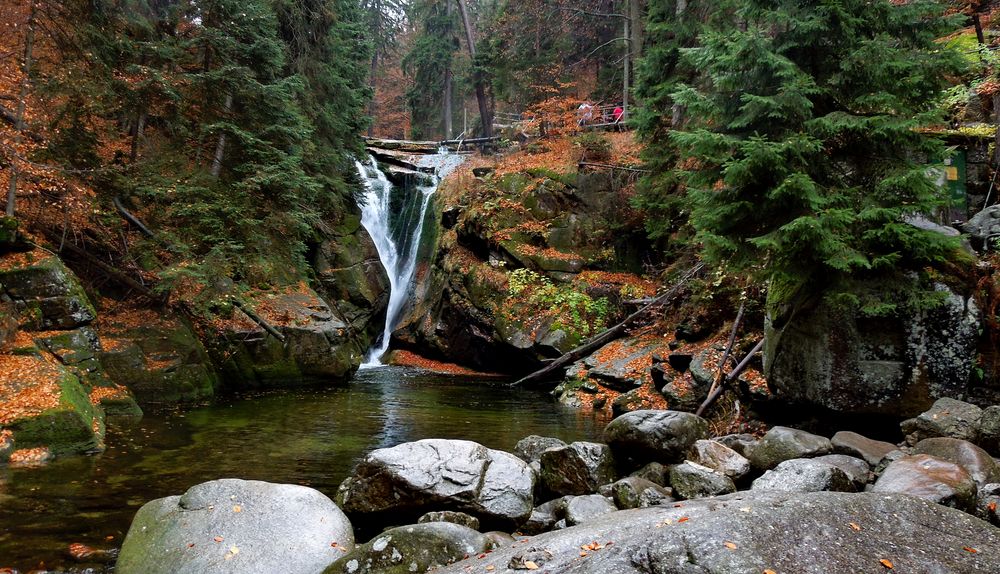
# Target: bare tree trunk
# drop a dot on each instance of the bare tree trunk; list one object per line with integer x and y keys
{"x": 372, "y": 104}
{"x": 137, "y": 131}
{"x": 220, "y": 147}
{"x": 22, "y": 102}
{"x": 484, "y": 106}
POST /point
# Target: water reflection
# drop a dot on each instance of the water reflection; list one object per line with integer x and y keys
{"x": 309, "y": 437}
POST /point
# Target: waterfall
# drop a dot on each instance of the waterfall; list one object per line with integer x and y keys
{"x": 396, "y": 228}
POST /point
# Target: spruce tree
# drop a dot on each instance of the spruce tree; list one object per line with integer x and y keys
{"x": 804, "y": 152}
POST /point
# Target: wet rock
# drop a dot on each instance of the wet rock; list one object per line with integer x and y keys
{"x": 765, "y": 531}
{"x": 651, "y": 435}
{"x": 631, "y": 401}
{"x": 704, "y": 367}
{"x": 804, "y": 475}
{"x": 635, "y": 492}
{"x": 721, "y": 458}
{"x": 888, "y": 459}
{"x": 580, "y": 509}
{"x": 530, "y": 448}
{"x": 684, "y": 393}
{"x": 414, "y": 548}
{"x": 236, "y": 526}
{"x": 856, "y": 469}
{"x": 655, "y": 473}
{"x": 783, "y": 443}
{"x": 578, "y": 468}
{"x": 452, "y": 517}
{"x": 618, "y": 371}
{"x": 989, "y": 429}
{"x": 741, "y": 443}
{"x": 437, "y": 474}
{"x": 854, "y": 444}
{"x": 930, "y": 478}
{"x": 947, "y": 417}
{"x": 839, "y": 359}
{"x": 976, "y": 461}
{"x": 45, "y": 293}
{"x": 691, "y": 480}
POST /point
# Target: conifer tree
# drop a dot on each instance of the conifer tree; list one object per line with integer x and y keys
{"x": 804, "y": 151}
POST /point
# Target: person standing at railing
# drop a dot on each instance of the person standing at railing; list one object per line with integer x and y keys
{"x": 585, "y": 113}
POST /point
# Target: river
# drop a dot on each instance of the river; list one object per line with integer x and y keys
{"x": 304, "y": 436}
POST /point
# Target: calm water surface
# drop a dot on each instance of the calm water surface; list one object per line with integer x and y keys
{"x": 310, "y": 437}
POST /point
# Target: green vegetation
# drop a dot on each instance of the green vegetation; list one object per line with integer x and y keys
{"x": 535, "y": 295}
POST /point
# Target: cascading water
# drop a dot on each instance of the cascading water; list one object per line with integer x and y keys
{"x": 396, "y": 227}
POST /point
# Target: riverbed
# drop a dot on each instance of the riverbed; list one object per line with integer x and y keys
{"x": 310, "y": 436}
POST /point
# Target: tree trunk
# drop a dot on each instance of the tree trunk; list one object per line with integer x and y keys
{"x": 372, "y": 104}
{"x": 635, "y": 13}
{"x": 137, "y": 130}
{"x": 22, "y": 102}
{"x": 625, "y": 60}
{"x": 220, "y": 147}
{"x": 447, "y": 96}
{"x": 484, "y": 107}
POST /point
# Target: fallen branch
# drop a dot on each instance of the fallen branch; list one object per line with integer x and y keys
{"x": 131, "y": 218}
{"x": 259, "y": 320}
{"x": 607, "y": 336}
{"x": 726, "y": 353}
{"x": 116, "y": 274}
{"x": 612, "y": 166}
{"x": 730, "y": 377}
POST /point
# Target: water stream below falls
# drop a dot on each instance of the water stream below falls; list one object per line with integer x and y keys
{"x": 394, "y": 218}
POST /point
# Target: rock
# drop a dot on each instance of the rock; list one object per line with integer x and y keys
{"x": 578, "y": 468}
{"x": 984, "y": 225}
{"x": 929, "y": 478}
{"x": 980, "y": 465}
{"x": 650, "y": 435}
{"x": 655, "y": 473}
{"x": 835, "y": 358}
{"x": 530, "y": 448}
{"x": 544, "y": 516}
{"x": 580, "y": 509}
{"x": 635, "y": 492}
{"x": 741, "y": 443}
{"x": 634, "y": 400}
{"x": 46, "y": 294}
{"x": 414, "y": 548}
{"x": 436, "y": 474}
{"x": 236, "y": 526}
{"x": 691, "y": 480}
{"x": 680, "y": 361}
{"x": 704, "y": 367}
{"x": 452, "y": 517}
{"x": 683, "y": 393}
{"x": 989, "y": 429}
{"x": 499, "y": 539}
{"x": 614, "y": 363}
{"x": 482, "y": 171}
{"x": 946, "y": 417}
{"x": 988, "y": 503}
{"x": 857, "y": 470}
{"x": 921, "y": 222}
{"x": 765, "y": 531}
{"x": 854, "y": 444}
{"x": 721, "y": 458}
{"x": 888, "y": 459}
{"x": 804, "y": 475}
{"x": 783, "y": 443}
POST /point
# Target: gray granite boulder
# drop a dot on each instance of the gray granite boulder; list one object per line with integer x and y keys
{"x": 452, "y": 517}
{"x": 635, "y": 492}
{"x": 930, "y": 478}
{"x": 804, "y": 475}
{"x": 692, "y": 480}
{"x": 976, "y": 461}
{"x": 720, "y": 457}
{"x": 577, "y": 468}
{"x": 437, "y": 474}
{"x": 856, "y": 469}
{"x": 783, "y": 443}
{"x": 580, "y": 509}
{"x": 652, "y": 435}
{"x": 414, "y": 548}
{"x": 946, "y": 417}
{"x": 236, "y": 526}
{"x": 989, "y": 429}
{"x": 854, "y": 444}
{"x": 752, "y": 532}
{"x": 530, "y": 448}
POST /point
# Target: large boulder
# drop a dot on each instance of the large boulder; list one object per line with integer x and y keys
{"x": 983, "y": 226}
{"x": 720, "y": 457}
{"x": 635, "y": 492}
{"x": 782, "y": 443}
{"x": 651, "y": 435}
{"x": 755, "y": 532}
{"x": 46, "y": 294}
{"x": 854, "y": 444}
{"x": 989, "y": 429}
{"x": 414, "y": 548}
{"x": 827, "y": 356}
{"x": 580, "y": 509}
{"x": 530, "y": 448}
{"x": 578, "y": 468}
{"x": 236, "y": 526}
{"x": 692, "y": 480}
{"x": 437, "y": 474}
{"x": 929, "y": 478}
{"x": 804, "y": 475}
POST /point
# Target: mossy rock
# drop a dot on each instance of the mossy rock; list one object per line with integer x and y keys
{"x": 73, "y": 426}
{"x": 8, "y": 233}
{"x": 46, "y": 293}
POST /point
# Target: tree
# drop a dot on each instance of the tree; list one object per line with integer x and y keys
{"x": 803, "y": 150}
{"x": 429, "y": 61}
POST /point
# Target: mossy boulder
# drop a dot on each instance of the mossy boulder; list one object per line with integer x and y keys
{"x": 46, "y": 294}
{"x": 8, "y": 233}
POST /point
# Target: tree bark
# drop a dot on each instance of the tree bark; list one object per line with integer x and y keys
{"x": 625, "y": 60}
{"x": 220, "y": 147}
{"x": 372, "y": 104}
{"x": 637, "y": 26}
{"x": 484, "y": 106}
{"x": 22, "y": 102}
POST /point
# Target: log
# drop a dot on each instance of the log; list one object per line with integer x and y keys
{"x": 131, "y": 218}
{"x": 598, "y": 341}
{"x": 611, "y": 166}
{"x": 259, "y": 320}
{"x": 726, "y": 353}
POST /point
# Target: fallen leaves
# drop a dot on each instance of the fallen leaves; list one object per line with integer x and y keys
{"x": 992, "y": 507}
{"x": 218, "y": 539}
{"x": 237, "y": 508}
{"x": 530, "y": 565}
{"x": 887, "y": 563}
{"x": 854, "y": 526}
{"x": 970, "y": 549}
{"x": 729, "y": 545}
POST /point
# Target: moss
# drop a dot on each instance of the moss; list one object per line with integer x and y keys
{"x": 8, "y": 232}
{"x": 68, "y": 428}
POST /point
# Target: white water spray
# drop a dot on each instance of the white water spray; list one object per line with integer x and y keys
{"x": 397, "y": 234}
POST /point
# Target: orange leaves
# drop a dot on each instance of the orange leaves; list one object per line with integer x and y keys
{"x": 218, "y": 539}
{"x": 854, "y": 526}
{"x": 885, "y": 562}
{"x": 992, "y": 507}
{"x": 729, "y": 545}
{"x": 27, "y": 387}
{"x": 970, "y": 549}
